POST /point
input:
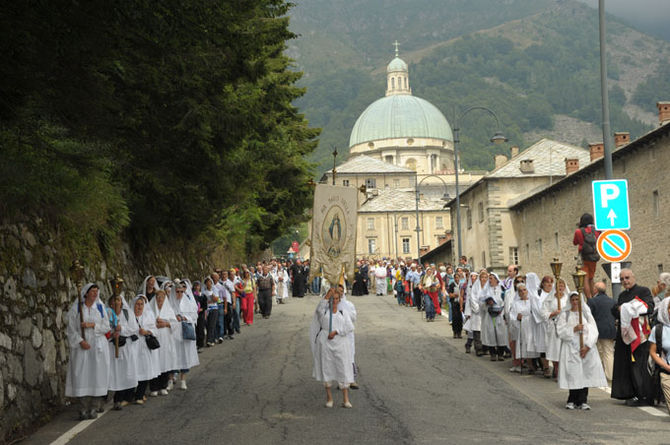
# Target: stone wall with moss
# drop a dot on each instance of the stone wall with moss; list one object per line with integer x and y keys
{"x": 36, "y": 293}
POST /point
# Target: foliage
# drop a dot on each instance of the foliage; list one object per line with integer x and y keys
{"x": 186, "y": 105}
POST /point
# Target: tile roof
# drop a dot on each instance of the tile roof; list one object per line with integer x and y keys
{"x": 400, "y": 200}
{"x": 548, "y": 160}
{"x": 366, "y": 164}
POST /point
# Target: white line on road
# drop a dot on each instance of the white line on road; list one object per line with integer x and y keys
{"x": 78, "y": 428}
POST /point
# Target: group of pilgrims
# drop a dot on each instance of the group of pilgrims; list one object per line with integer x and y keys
{"x": 148, "y": 344}
{"x": 533, "y": 321}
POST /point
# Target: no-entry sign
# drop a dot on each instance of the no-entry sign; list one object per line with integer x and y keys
{"x": 613, "y": 245}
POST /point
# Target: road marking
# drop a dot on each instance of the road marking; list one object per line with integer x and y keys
{"x": 78, "y": 428}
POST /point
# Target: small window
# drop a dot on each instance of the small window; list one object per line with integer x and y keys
{"x": 539, "y": 247}
{"x": 556, "y": 245}
{"x": 439, "y": 224}
{"x": 372, "y": 245}
{"x": 389, "y": 159}
{"x": 404, "y": 223}
{"x": 405, "y": 245}
{"x": 468, "y": 217}
{"x": 483, "y": 258}
{"x": 371, "y": 224}
{"x": 345, "y": 182}
{"x": 396, "y": 183}
{"x": 480, "y": 212}
{"x": 370, "y": 183}
{"x": 393, "y": 83}
{"x": 660, "y": 268}
{"x": 656, "y": 204}
{"x": 514, "y": 255}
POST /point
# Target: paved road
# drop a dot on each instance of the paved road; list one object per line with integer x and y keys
{"x": 417, "y": 386}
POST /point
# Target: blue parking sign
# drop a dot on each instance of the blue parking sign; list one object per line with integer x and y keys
{"x": 610, "y": 204}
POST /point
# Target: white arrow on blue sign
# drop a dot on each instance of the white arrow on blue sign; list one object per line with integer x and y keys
{"x": 610, "y": 204}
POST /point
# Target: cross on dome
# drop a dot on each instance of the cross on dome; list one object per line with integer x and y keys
{"x": 396, "y": 44}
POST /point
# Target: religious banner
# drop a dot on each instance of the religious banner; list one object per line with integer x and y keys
{"x": 334, "y": 219}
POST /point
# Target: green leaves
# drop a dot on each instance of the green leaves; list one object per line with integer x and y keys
{"x": 187, "y": 104}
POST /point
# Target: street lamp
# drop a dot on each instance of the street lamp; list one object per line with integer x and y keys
{"x": 498, "y": 138}
{"x": 334, "y": 162}
{"x": 445, "y": 197}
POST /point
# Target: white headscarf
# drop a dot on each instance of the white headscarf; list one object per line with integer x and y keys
{"x": 662, "y": 315}
{"x": 166, "y": 312}
{"x": 532, "y": 283}
{"x": 147, "y": 319}
{"x": 494, "y": 292}
{"x": 143, "y": 288}
{"x": 585, "y": 307}
{"x": 184, "y": 304}
{"x": 86, "y": 288}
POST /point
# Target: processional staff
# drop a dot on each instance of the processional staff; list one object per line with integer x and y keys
{"x": 578, "y": 276}
{"x": 117, "y": 288}
{"x": 556, "y": 267}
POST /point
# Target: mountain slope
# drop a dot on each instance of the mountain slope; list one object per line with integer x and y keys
{"x": 539, "y": 71}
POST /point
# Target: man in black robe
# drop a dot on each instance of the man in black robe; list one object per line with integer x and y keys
{"x": 630, "y": 379}
{"x": 365, "y": 270}
{"x": 298, "y": 279}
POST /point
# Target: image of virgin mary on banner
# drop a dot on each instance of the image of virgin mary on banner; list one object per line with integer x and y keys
{"x": 333, "y": 246}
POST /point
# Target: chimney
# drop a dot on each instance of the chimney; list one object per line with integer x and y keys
{"x": 597, "y": 150}
{"x": 500, "y": 160}
{"x": 663, "y": 112}
{"x": 621, "y": 138}
{"x": 571, "y": 165}
{"x": 526, "y": 166}
{"x": 514, "y": 150}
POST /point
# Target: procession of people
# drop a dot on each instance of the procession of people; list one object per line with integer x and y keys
{"x": 143, "y": 344}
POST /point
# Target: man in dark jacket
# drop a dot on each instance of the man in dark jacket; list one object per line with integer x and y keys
{"x": 601, "y": 308}
{"x": 630, "y": 379}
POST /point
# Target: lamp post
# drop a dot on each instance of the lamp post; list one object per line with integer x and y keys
{"x": 334, "y": 162}
{"x": 498, "y": 138}
{"x": 416, "y": 199}
{"x": 607, "y": 135}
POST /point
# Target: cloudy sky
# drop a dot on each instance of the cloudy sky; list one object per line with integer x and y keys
{"x": 652, "y": 16}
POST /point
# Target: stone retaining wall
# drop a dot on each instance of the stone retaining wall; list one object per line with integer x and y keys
{"x": 35, "y": 295}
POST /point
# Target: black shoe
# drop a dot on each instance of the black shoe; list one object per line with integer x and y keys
{"x": 633, "y": 402}
{"x": 467, "y": 349}
{"x": 230, "y": 337}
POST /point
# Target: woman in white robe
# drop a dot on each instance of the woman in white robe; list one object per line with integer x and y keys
{"x": 579, "y": 369}
{"x": 347, "y": 306}
{"x": 494, "y": 329}
{"x": 331, "y": 351}
{"x": 123, "y": 369}
{"x": 550, "y": 312}
{"x": 166, "y": 323}
{"x": 467, "y": 311}
{"x": 380, "y": 279}
{"x": 476, "y": 305}
{"x": 282, "y": 281}
{"x": 148, "y": 366}
{"x": 521, "y": 327}
{"x": 88, "y": 368}
{"x": 186, "y": 310}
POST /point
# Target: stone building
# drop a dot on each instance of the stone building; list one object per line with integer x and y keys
{"x": 487, "y": 232}
{"x": 544, "y": 223}
{"x": 399, "y": 141}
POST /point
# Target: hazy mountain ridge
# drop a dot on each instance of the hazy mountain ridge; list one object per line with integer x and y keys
{"x": 538, "y": 71}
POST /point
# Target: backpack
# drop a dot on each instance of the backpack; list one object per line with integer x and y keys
{"x": 589, "y": 251}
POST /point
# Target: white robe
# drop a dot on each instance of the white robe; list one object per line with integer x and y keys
{"x": 186, "y": 353}
{"x": 332, "y": 358}
{"x": 167, "y": 353}
{"x": 475, "y": 307}
{"x": 537, "y": 322}
{"x": 522, "y": 331}
{"x": 148, "y": 365}
{"x": 575, "y": 372}
{"x": 88, "y": 370}
{"x": 552, "y": 341}
{"x": 123, "y": 369}
{"x": 380, "y": 280}
{"x": 494, "y": 329}
{"x": 281, "y": 286}
{"x": 467, "y": 309}
{"x": 349, "y": 307}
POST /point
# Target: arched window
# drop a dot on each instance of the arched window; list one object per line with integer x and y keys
{"x": 393, "y": 83}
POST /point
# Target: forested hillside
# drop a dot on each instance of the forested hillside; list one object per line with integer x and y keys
{"x": 535, "y": 63}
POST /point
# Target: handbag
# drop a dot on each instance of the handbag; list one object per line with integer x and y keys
{"x": 187, "y": 330}
{"x": 152, "y": 342}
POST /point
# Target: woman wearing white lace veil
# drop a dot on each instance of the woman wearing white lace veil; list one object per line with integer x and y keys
{"x": 467, "y": 311}
{"x": 166, "y": 322}
{"x": 579, "y": 367}
{"x": 186, "y": 310}
{"x": 494, "y": 329}
{"x": 477, "y": 305}
{"x": 148, "y": 366}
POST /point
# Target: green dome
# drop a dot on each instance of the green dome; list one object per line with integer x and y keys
{"x": 400, "y": 116}
{"x": 396, "y": 64}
